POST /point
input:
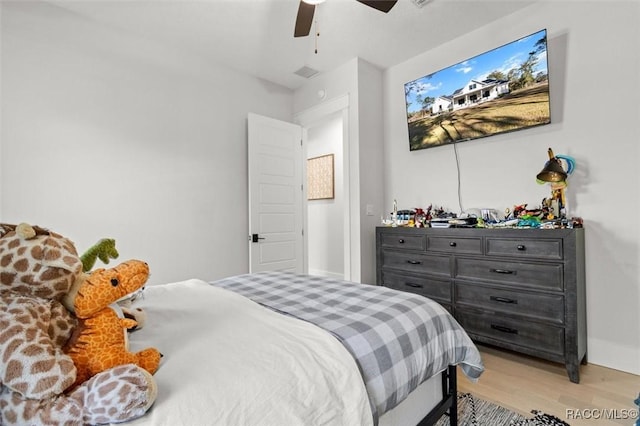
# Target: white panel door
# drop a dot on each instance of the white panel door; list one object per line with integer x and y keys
{"x": 275, "y": 195}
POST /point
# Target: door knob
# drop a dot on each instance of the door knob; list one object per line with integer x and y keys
{"x": 255, "y": 238}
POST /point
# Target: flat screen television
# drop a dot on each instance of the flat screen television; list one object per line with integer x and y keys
{"x": 502, "y": 90}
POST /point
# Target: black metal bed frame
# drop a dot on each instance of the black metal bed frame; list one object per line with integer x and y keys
{"x": 449, "y": 403}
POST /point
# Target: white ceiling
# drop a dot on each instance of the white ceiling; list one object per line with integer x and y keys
{"x": 256, "y": 36}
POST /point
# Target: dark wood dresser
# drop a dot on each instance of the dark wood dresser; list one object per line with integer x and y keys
{"x": 520, "y": 289}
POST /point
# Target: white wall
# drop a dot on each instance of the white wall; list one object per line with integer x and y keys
{"x": 371, "y": 138}
{"x": 594, "y": 61}
{"x": 109, "y": 135}
{"x": 1, "y": 115}
{"x": 325, "y": 228}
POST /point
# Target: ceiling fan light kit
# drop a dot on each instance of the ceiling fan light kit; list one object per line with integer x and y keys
{"x": 307, "y": 8}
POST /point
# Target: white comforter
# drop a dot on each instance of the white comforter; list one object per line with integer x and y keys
{"x": 229, "y": 361}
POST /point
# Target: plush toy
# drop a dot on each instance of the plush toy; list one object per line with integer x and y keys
{"x": 37, "y": 269}
{"x": 105, "y": 249}
{"x": 101, "y": 342}
{"x": 137, "y": 314}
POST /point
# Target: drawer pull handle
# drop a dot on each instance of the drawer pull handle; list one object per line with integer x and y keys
{"x": 503, "y": 299}
{"x": 502, "y": 271}
{"x": 400, "y": 241}
{"x": 413, "y": 285}
{"x": 453, "y": 244}
{"x": 504, "y": 329}
{"x": 521, "y": 247}
{"x": 414, "y": 262}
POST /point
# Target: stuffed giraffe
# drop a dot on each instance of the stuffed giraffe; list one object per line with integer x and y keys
{"x": 101, "y": 341}
{"x": 37, "y": 269}
{"x": 105, "y": 250}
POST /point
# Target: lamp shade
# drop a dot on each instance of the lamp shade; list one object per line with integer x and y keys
{"x": 553, "y": 171}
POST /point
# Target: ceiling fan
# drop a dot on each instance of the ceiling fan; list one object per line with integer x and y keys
{"x": 308, "y": 7}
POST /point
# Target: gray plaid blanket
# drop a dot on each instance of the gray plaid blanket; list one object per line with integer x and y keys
{"x": 398, "y": 339}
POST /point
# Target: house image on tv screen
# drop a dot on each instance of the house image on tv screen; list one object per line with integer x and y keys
{"x": 502, "y": 90}
{"x": 473, "y": 93}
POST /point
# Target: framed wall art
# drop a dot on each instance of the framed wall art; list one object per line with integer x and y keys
{"x": 320, "y": 177}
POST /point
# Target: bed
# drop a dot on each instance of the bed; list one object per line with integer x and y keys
{"x": 276, "y": 348}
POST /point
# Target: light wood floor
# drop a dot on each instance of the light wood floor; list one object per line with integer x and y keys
{"x": 523, "y": 383}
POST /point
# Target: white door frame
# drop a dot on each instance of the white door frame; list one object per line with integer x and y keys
{"x": 308, "y": 118}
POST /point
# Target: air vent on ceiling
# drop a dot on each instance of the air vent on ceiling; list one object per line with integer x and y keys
{"x": 420, "y": 3}
{"x": 306, "y": 72}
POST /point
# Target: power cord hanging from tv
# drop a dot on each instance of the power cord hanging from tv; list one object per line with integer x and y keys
{"x": 455, "y": 150}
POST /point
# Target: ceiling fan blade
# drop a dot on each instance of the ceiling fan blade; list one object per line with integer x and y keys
{"x": 304, "y": 19}
{"x": 381, "y": 5}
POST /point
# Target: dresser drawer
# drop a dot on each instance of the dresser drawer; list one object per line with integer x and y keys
{"x": 403, "y": 241}
{"x": 519, "y": 289}
{"x": 433, "y": 288}
{"x": 525, "y": 248}
{"x": 548, "y": 307}
{"x": 453, "y": 244}
{"x": 547, "y": 276}
{"x": 521, "y": 333}
{"x": 416, "y": 262}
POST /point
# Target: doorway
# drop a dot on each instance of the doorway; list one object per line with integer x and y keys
{"x": 325, "y": 217}
{"x": 314, "y": 120}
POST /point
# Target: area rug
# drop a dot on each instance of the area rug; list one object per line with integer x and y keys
{"x": 474, "y": 411}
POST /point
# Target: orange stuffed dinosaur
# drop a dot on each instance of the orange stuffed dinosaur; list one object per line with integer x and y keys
{"x": 100, "y": 340}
